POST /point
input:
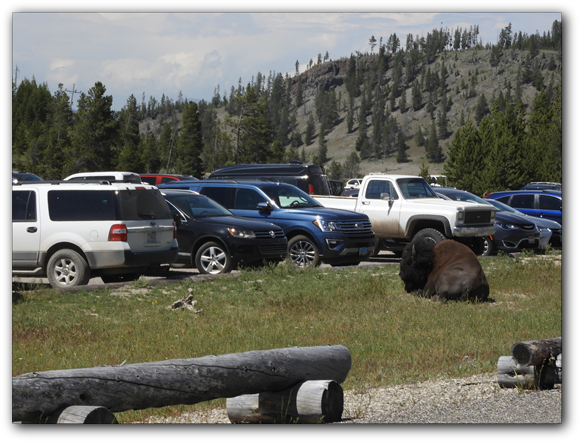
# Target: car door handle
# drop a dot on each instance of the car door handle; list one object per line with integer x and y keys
{"x": 366, "y": 203}
{"x": 32, "y": 230}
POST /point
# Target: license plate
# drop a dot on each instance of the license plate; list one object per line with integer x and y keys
{"x": 531, "y": 239}
{"x": 152, "y": 237}
{"x": 362, "y": 251}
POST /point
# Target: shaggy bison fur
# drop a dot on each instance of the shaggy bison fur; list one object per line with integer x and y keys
{"x": 447, "y": 270}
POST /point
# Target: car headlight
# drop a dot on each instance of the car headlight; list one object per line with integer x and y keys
{"x": 325, "y": 226}
{"x": 240, "y": 233}
{"x": 506, "y": 226}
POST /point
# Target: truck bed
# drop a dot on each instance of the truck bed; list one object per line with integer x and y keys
{"x": 337, "y": 202}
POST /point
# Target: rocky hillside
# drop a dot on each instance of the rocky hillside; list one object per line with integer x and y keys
{"x": 465, "y": 68}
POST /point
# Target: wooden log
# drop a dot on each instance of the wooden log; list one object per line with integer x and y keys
{"x": 311, "y": 402}
{"x": 536, "y": 352}
{"x": 175, "y": 381}
{"x": 83, "y": 414}
{"x": 512, "y": 375}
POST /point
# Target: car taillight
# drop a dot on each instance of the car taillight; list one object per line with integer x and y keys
{"x": 118, "y": 232}
{"x": 310, "y": 189}
{"x": 174, "y": 230}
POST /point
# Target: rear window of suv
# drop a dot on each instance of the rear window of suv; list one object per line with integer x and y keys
{"x": 103, "y": 205}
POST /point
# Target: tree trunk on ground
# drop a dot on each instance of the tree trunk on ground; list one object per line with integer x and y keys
{"x": 536, "y": 352}
{"x": 35, "y": 396}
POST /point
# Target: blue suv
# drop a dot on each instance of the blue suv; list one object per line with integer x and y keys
{"x": 540, "y": 203}
{"x": 315, "y": 233}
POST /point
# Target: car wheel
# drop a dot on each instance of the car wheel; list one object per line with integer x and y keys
{"x": 487, "y": 246}
{"x": 213, "y": 259}
{"x": 303, "y": 252}
{"x": 434, "y": 234}
{"x": 67, "y": 268}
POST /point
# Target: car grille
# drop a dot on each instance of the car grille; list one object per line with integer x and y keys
{"x": 477, "y": 218}
{"x": 354, "y": 227}
{"x": 277, "y": 233}
{"x": 273, "y": 249}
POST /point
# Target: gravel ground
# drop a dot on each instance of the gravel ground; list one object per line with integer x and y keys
{"x": 475, "y": 400}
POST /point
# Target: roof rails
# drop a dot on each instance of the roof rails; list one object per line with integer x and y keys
{"x": 61, "y": 182}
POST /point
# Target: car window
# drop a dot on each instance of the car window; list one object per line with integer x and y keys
{"x": 79, "y": 205}
{"x": 377, "y": 187}
{"x": 219, "y": 194}
{"x": 416, "y": 188}
{"x": 247, "y": 199}
{"x": 149, "y": 179}
{"x": 550, "y": 203}
{"x": 523, "y": 201}
{"x": 24, "y": 206}
{"x": 290, "y": 197}
{"x": 198, "y": 206}
{"x": 143, "y": 204}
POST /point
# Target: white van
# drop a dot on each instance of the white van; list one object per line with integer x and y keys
{"x": 69, "y": 232}
{"x": 121, "y": 177}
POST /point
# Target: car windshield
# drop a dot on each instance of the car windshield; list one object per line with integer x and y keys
{"x": 413, "y": 188}
{"x": 467, "y": 197}
{"x": 199, "y": 206}
{"x": 290, "y": 197}
{"x": 504, "y": 207}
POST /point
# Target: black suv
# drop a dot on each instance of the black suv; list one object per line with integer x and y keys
{"x": 307, "y": 177}
{"x": 214, "y": 240}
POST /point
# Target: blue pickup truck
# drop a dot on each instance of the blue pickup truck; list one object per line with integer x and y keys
{"x": 316, "y": 234}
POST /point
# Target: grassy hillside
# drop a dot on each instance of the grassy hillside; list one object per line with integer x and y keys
{"x": 462, "y": 67}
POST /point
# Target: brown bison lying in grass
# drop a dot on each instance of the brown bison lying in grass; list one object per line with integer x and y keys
{"x": 447, "y": 270}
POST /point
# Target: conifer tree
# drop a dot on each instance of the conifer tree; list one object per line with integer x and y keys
{"x": 94, "y": 133}
{"x": 189, "y": 145}
{"x": 58, "y": 146}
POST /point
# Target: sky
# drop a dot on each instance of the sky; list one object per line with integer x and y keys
{"x": 154, "y": 53}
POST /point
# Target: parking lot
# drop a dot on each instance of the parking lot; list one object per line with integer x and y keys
{"x": 176, "y": 275}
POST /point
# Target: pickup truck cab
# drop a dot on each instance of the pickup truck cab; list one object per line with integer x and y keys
{"x": 315, "y": 233}
{"x": 403, "y": 206}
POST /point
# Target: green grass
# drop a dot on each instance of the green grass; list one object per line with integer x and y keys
{"x": 393, "y": 337}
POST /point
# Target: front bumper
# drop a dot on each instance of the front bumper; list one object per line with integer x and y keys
{"x": 474, "y": 231}
{"x": 337, "y": 247}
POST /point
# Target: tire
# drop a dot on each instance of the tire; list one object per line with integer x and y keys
{"x": 429, "y": 232}
{"x": 67, "y": 268}
{"x": 487, "y": 246}
{"x": 213, "y": 259}
{"x": 303, "y": 252}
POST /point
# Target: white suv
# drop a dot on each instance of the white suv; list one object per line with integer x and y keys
{"x": 69, "y": 231}
{"x": 125, "y": 177}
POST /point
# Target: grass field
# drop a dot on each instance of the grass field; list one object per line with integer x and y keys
{"x": 393, "y": 337}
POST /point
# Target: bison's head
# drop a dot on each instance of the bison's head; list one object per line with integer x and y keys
{"x": 416, "y": 264}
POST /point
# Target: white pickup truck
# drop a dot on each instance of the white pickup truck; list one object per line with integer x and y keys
{"x": 401, "y": 207}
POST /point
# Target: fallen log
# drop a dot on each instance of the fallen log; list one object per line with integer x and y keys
{"x": 83, "y": 414}
{"x": 312, "y": 402}
{"x": 510, "y": 374}
{"x": 36, "y": 396}
{"x": 536, "y": 352}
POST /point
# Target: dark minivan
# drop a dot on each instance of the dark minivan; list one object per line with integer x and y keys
{"x": 307, "y": 177}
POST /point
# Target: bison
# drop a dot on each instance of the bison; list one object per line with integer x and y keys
{"x": 447, "y": 270}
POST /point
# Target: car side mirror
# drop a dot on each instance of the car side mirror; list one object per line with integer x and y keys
{"x": 387, "y": 196}
{"x": 264, "y": 207}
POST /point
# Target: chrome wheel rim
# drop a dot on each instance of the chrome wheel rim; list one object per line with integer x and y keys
{"x": 302, "y": 253}
{"x": 213, "y": 260}
{"x": 65, "y": 272}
